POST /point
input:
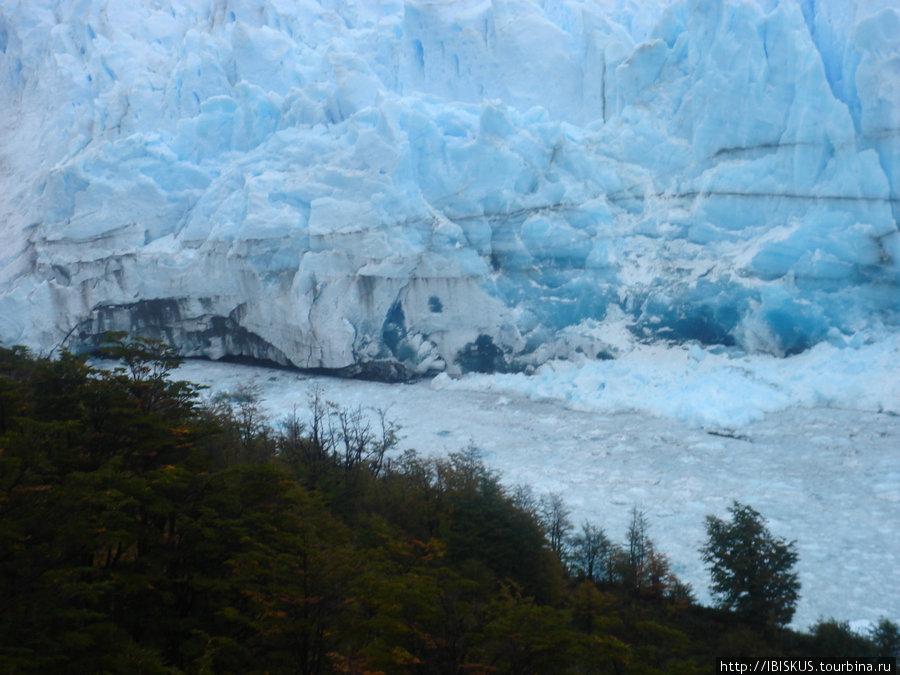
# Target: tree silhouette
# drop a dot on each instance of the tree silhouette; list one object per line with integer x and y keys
{"x": 751, "y": 569}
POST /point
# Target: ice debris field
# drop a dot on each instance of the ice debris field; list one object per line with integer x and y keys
{"x": 810, "y": 443}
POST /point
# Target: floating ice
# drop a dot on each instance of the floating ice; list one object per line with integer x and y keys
{"x": 809, "y": 441}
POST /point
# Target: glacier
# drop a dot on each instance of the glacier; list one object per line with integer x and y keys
{"x": 391, "y": 189}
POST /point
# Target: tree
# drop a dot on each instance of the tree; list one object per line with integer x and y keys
{"x": 482, "y": 526}
{"x": 593, "y": 554}
{"x": 241, "y": 409}
{"x": 146, "y": 365}
{"x": 555, "y": 519}
{"x": 645, "y": 571}
{"x": 839, "y": 640}
{"x": 639, "y": 550}
{"x": 886, "y": 638}
{"x": 751, "y": 570}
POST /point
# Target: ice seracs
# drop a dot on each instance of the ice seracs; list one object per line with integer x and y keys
{"x": 401, "y": 188}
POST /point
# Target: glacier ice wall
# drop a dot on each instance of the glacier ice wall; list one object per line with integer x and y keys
{"x": 389, "y": 187}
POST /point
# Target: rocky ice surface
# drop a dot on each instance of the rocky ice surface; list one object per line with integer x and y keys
{"x": 395, "y": 188}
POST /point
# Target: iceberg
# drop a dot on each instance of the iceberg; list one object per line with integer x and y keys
{"x": 402, "y": 188}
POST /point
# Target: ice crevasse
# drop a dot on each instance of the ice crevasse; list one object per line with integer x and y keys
{"x": 395, "y": 188}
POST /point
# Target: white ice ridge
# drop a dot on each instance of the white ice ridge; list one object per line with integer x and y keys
{"x": 406, "y": 187}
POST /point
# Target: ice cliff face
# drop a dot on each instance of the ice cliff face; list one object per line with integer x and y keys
{"x": 391, "y": 188}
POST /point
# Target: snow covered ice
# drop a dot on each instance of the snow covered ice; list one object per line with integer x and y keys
{"x": 628, "y": 208}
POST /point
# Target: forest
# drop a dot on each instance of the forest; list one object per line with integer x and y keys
{"x": 147, "y": 529}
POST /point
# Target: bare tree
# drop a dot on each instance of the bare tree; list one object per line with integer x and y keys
{"x": 555, "y": 519}
{"x": 593, "y": 554}
{"x": 342, "y": 438}
{"x": 639, "y": 547}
